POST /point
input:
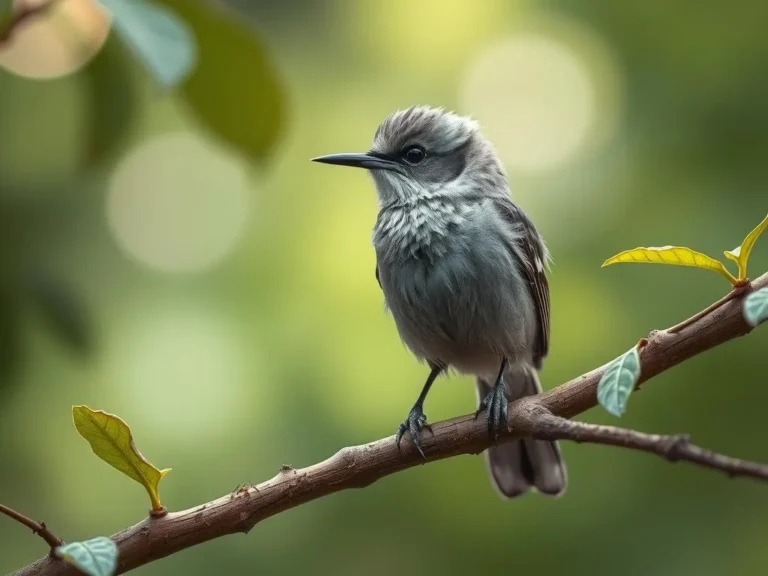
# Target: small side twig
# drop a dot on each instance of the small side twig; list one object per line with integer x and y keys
{"x": 21, "y": 15}
{"x": 734, "y": 293}
{"x": 38, "y": 528}
{"x": 673, "y": 448}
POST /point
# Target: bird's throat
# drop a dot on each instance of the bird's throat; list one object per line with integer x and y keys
{"x": 420, "y": 227}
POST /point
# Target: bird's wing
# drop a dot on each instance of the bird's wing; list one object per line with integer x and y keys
{"x": 533, "y": 265}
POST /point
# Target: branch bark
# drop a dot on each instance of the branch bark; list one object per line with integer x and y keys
{"x": 675, "y": 447}
{"x": 38, "y": 528}
{"x": 544, "y": 415}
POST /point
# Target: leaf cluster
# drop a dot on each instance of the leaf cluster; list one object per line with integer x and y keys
{"x": 623, "y": 373}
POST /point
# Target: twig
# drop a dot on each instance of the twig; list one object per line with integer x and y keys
{"x": 360, "y": 466}
{"x": 21, "y": 15}
{"x": 671, "y": 447}
{"x": 38, "y": 528}
{"x": 739, "y": 290}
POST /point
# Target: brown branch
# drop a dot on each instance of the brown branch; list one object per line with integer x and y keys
{"x": 23, "y": 14}
{"x": 359, "y": 466}
{"x": 38, "y": 528}
{"x": 674, "y": 448}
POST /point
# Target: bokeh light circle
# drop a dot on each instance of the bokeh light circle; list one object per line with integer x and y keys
{"x": 59, "y": 42}
{"x": 180, "y": 371}
{"x": 543, "y": 95}
{"x": 178, "y": 203}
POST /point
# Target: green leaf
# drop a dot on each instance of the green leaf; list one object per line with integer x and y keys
{"x": 756, "y": 307}
{"x": 162, "y": 41}
{"x": 740, "y": 254}
{"x": 63, "y": 311}
{"x": 674, "y": 255}
{"x": 112, "y": 441}
{"x": 234, "y": 90}
{"x": 618, "y": 382}
{"x": 95, "y": 557}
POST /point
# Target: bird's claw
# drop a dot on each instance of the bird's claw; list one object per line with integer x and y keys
{"x": 414, "y": 424}
{"x": 496, "y": 404}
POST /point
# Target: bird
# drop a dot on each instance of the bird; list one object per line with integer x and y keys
{"x": 463, "y": 273}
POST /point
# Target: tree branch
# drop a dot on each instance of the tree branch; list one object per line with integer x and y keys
{"x": 359, "y": 466}
{"x": 21, "y": 15}
{"x": 38, "y": 528}
{"x": 676, "y": 447}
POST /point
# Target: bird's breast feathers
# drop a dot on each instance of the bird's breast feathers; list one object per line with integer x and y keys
{"x": 421, "y": 227}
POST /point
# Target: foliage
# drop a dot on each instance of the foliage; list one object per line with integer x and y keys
{"x": 243, "y": 102}
{"x": 618, "y": 381}
{"x": 112, "y": 441}
{"x": 243, "y": 109}
{"x": 95, "y": 557}
{"x": 756, "y": 307}
{"x": 740, "y": 255}
{"x": 215, "y": 62}
{"x": 681, "y": 256}
{"x": 674, "y": 255}
{"x": 622, "y": 374}
{"x": 162, "y": 42}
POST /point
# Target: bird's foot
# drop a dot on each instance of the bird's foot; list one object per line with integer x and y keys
{"x": 496, "y": 404}
{"x": 415, "y": 422}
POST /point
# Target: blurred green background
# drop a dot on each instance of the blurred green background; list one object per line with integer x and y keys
{"x": 177, "y": 260}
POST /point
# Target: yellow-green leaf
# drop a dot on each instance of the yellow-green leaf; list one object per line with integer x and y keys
{"x": 733, "y": 254}
{"x": 740, "y": 255}
{"x": 674, "y": 255}
{"x": 112, "y": 441}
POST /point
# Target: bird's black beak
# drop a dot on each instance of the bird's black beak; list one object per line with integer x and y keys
{"x": 369, "y": 160}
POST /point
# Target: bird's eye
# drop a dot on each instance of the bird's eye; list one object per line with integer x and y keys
{"x": 414, "y": 154}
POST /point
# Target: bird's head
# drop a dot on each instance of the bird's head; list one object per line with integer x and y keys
{"x": 422, "y": 151}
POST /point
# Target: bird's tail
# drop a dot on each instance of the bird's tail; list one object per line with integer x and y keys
{"x": 517, "y": 466}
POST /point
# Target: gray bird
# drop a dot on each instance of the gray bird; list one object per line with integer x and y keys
{"x": 462, "y": 269}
